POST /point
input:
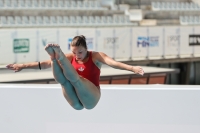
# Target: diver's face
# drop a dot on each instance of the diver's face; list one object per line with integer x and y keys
{"x": 79, "y": 52}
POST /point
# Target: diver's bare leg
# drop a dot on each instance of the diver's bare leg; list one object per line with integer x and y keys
{"x": 67, "y": 88}
{"x": 87, "y": 92}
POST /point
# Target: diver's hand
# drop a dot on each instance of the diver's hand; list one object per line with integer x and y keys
{"x": 138, "y": 70}
{"x": 15, "y": 67}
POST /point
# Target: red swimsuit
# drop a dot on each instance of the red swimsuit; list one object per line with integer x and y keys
{"x": 87, "y": 70}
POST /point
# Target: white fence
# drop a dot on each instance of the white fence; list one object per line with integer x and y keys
{"x": 122, "y": 43}
{"x": 175, "y": 6}
{"x": 50, "y": 5}
{"x": 121, "y": 109}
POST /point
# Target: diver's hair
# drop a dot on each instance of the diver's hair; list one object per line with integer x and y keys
{"x": 79, "y": 41}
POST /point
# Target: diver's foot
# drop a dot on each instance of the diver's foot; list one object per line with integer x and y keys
{"x": 58, "y": 52}
{"x": 50, "y": 51}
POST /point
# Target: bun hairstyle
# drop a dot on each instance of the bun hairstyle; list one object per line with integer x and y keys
{"x": 79, "y": 41}
{"x": 82, "y": 36}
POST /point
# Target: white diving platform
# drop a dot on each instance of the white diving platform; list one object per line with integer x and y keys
{"x": 37, "y": 108}
{"x": 36, "y": 75}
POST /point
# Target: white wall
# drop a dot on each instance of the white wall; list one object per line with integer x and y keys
{"x": 127, "y": 109}
{"x": 122, "y": 43}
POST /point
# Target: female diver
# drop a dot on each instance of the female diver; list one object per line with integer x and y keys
{"x": 77, "y": 72}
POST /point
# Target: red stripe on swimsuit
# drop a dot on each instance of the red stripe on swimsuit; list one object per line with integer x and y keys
{"x": 87, "y": 70}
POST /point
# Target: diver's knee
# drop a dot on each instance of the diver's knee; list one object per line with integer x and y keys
{"x": 89, "y": 107}
{"x": 77, "y": 106}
